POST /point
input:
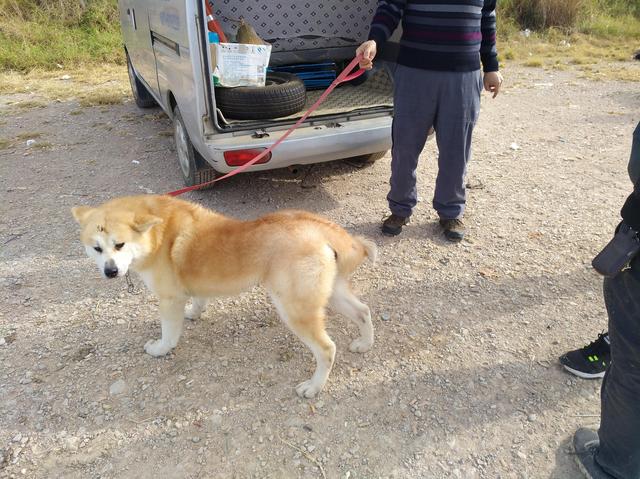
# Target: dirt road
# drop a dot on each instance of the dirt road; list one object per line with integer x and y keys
{"x": 463, "y": 380}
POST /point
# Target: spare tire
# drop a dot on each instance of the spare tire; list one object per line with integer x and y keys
{"x": 282, "y": 95}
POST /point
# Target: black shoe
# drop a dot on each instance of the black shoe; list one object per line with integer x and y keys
{"x": 392, "y": 225}
{"x": 586, "y": 444}
{"x": 591, "y": 361}
{"x": 453, "y": 229}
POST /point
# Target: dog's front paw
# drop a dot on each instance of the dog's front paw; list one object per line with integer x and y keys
{"x": 308, "y": 389}
{"x": 360, "y": 345}
{"x": 155, "y": 347}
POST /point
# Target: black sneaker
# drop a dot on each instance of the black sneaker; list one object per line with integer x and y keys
{"x": 591, "y": 361}
{"x": 453, "y": 229}
{"x": 586, "y": 444}
{"x": 392, "y": 225}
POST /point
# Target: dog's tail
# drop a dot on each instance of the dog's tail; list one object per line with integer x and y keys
{"x": 351, "y": 251}
{"x": 369, "y": 247}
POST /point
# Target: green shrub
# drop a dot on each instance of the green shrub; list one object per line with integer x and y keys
{"x": 617, "y": 8}
{"x": 605, "y": 26}
{"x": 572, "y": 15}
{"x": 541, "y": 14}
{"x": 43, "y": 34}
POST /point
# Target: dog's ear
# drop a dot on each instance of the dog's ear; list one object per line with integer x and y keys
{"x": 80, "y": 213}
{"x": 145, "y": 222}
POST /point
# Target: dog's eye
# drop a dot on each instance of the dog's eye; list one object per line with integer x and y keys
{"x": 98, "y": 249}
{"x": 119, "y": 246}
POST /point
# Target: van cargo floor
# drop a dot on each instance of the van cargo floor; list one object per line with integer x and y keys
{"x": 376, "y": 92}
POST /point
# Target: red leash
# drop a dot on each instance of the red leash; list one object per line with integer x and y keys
{"x": 343, "y": 77}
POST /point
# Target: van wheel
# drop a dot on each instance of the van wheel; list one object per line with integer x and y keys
{"x": 283, "y": 94}
{"x": 373, "y": 157}
{"x": 194, "y": 168}
{"x": 365, "y": 160}
{"x": 140, "y": 93}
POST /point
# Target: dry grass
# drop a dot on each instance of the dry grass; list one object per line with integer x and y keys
{"x": 43, "y": 145}
{"x": 103, "y": 85}
{"x": 533, "y": 62}
{"x": 603, "y": 34}
{"x": 611, "y": 57}
{"x": 610, "y": 72}
{"x": 28, "y": 135}
{"x": 22, "y": 138}
{"x": 28, "y": 104}
{"x": 98, "y": 98}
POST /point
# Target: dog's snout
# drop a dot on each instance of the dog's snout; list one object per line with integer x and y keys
{"x": 111, "y": 270}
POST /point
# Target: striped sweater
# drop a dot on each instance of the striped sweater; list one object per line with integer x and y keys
{"x": 446, "y": 35}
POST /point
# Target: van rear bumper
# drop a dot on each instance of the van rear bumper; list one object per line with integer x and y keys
{"x": 307, "y": 144}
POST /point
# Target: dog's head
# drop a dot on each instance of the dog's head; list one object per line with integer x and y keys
{"x": 115, "y": 239}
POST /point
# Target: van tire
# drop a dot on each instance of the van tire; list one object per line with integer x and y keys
{"x": 195, "y": 170}
{"x": 140, "y": 93}
{"x": 365, "y": 160}
{"x": 284, "y": 94}
{"x": 373, "y": 157}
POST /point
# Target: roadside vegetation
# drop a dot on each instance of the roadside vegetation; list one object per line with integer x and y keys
{"x": 43, "y": 42}
{"x": 594, "y": 36}
{"x": 55, "y": 34}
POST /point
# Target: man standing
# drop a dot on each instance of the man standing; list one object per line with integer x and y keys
{"x": 592, "y": 360}
{"x": 437, "y": 84}
{"x": 614, "y": 450}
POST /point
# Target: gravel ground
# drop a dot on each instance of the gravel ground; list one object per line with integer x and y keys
{"x": 463, "y": 380}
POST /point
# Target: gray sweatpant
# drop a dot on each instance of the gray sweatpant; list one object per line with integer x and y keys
{"x": 450, "y": 102}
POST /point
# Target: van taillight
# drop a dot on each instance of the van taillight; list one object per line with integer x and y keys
{"x": 240, "y": 157}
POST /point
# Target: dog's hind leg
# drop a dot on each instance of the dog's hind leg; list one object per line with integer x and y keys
{"x": 344, "y": 302}
{"x": 194, "y": 311}
{"x": 171, "y": 319}
{"x": 300, "y": 288}
{"x": 309, "y": 327}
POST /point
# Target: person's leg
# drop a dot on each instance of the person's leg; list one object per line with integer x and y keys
{"x": 619, "y": 449}
{"x": 414, "y": 110}
{"x": 459, "y": 107}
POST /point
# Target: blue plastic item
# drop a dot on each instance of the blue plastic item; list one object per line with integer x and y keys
{"x": 213, "y": 37}
{"x": 313, "y": 75}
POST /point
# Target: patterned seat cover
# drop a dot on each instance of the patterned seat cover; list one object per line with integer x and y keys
{"x": 301, "y": 26}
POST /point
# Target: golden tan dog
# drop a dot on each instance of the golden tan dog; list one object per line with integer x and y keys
{"x": 183, "y": 250}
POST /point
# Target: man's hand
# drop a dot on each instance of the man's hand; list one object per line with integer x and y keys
{"x": 493, "y": 82}
{"x": 368, "y": 51}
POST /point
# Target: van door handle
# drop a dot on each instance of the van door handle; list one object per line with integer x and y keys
{"x": 132, "y": 17}
{"x": 167, "y": 42}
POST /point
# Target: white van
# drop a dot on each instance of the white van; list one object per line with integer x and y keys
{"x": 170, "y": 64}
